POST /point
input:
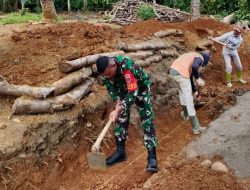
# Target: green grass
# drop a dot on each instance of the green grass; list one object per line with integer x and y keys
{"x": 13, "y": 18}
{"x": 17, "y": 17}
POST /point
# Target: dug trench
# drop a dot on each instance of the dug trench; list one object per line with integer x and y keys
{"x": 50, "y": 152}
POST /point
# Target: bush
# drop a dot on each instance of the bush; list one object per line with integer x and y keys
{"x": 146, "y": 12}
{"x": 177, "y": 4}
{"x": 242, "y": 15}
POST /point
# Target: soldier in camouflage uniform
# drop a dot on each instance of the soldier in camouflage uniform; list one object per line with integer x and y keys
{"x": 128, "y": 83}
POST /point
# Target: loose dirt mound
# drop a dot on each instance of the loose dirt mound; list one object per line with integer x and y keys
{"x": 34, "y": 56}
{"x": 146, "y": 28}
{"x": 191, "y": 175}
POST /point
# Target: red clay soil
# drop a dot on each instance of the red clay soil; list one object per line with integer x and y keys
{"x": 191, "y": 175}
{"x": 146, "y": 28}
{"x": 39, "y": 51}
{"x": 35, "y": 54}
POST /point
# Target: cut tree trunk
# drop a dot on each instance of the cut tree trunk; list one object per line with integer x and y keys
{"x": 148, "y": 61}
{"x": 148, "y": 45}
{"x": 49, "y": 11}
{"x": 74, "y": 65}
{"x": 140, "y": 54}
{"x": 162, "y": 34}
{"x": 25, "y": 105}
{"x": 228, "y": 19}
{"x": 195, "y": 10}
{"x": 20, "y": 90}
{"x": 70, "y": 81}
{"x": 166, "y": 53}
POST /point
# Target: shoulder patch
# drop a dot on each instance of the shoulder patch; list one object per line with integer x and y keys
{"x": 131, "y": 81}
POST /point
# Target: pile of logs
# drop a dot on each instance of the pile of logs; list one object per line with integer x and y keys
{"x": 67, "y": 91}
{"x": 59, "y": 96}
{"x": 124, "y": 13}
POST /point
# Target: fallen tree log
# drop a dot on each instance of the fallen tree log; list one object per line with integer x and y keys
{"x": 26, "y": 105}
{"x": 69, "y": 66}
{"x": 70, "y": 81}
{"x": 143, "y": 63}
{"x": 147, "y": 62}
{"x": 148, "y": 45}
{"x": 228, "y": 19}
{"x": 154, "y": 59}
{"x": 162, "y": 34}
{"x": 140, "y": 54}
{"x": 24, "y": 90}
{"x": 166, "y": 53}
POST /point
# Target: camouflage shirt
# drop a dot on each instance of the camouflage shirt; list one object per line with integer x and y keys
{"x": 130, "y": 81}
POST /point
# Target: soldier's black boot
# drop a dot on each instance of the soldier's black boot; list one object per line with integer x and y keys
{"x": 152, "y": 161}
{"x": 119, "y": 155}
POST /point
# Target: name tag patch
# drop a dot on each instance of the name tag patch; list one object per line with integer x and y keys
{"x": 131, "y": 81}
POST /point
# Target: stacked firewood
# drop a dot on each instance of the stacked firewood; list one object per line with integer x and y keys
{"x": 124, "y": 13}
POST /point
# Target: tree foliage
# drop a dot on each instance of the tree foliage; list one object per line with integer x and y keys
{"x": 210, "y": 7}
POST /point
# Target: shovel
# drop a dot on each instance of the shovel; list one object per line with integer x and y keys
{"x": 96, "y": 159}
{"x": 221, "y": 43}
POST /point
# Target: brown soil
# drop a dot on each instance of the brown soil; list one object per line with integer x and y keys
{"x": 31, "y": 57}
{"x": 34, "y": 54}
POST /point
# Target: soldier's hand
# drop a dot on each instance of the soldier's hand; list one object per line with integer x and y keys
{"x": 114, "y": 115}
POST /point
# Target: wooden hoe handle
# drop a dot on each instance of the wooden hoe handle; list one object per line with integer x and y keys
{"x": 96, "y": 146}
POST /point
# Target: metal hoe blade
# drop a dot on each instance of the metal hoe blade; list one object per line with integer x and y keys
{"x": 97, "y": 160}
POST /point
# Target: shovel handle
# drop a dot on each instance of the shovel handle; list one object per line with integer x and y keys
{"x": 219, "y": 42}
{"x": 210, "y": 38}
{"x": 96, "y": 146}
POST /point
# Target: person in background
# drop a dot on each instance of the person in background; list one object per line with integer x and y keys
{"x": 232, "y": 41}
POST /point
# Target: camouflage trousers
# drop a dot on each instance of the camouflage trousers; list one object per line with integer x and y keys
{"x": 144, "y": 107}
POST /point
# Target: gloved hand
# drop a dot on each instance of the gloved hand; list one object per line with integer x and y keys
{"x": 197, "y": 96}
{"x": 200, "y": 82}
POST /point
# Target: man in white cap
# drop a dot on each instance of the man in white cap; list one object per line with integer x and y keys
{"x": 232, "y": 41}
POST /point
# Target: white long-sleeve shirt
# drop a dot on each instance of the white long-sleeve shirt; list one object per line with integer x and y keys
{"x": 231, "y": 40}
